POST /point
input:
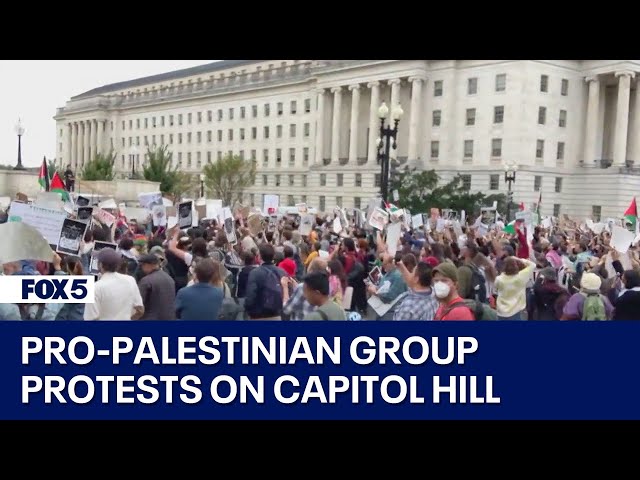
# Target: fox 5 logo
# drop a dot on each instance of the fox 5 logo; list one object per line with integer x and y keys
{"x": 47, "y": 289}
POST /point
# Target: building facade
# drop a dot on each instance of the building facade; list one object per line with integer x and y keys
{"x": 572, "y": 127}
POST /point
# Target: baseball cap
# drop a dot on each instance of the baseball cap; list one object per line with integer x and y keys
{"x": 108, "y": 256}
{"x": 447, "y": 270}
{"x": 149, "y": 258}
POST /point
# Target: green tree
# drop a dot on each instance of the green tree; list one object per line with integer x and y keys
{"x": 419, "y": 191}
{"x": 100, "y": 167}
{"x": 159, "y": 168}
{"x": 227, "y": 178}
{"x": 52, "y": 169}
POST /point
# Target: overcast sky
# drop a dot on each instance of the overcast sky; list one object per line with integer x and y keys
{"x": 33, "y": 89}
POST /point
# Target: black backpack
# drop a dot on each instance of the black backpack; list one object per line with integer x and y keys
{"x": 478, "y": 284}
{"x": 271, "y": 293}
{"x": 299, "y": 266}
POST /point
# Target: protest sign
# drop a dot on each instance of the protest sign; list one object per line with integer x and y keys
{"x": 172, "y": 222}
{"x": 213, "y": 208}
{"x": 621, "y": 238}
{"x": 337, "y": 225}
{"x": 302, "y": 208}
{"x": 136, "y": 213}
{"x": 148, "y": 200}
{"x": 97, "y": 246}
{"x": 51, "y": 200}
{"x": 379, "y": 219}
{"x": 71, "y": 235}
{"x": 416, "y": 221}
{"x": 109, "y": 204}
{"x": 526, "y": 217}
{"x": 103, "y": 216}
{"x": 23, "y": 242}
{"x": 159, "y": 215}
{"x": 394, "y": 232}
{"x": 84, "y": 214}
{"x": 488, "y": 216}
{"x": 185, "y": 214}
{"x": 271, "y": 204}
{"x": 255, "y": 224}
{"x": 48, "y": 222}
{"x": 83, "y": 201}
{"x": 306, "y": 224}
{"x": 229, "y": 225}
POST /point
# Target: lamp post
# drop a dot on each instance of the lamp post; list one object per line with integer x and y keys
{"x": 202, "y": 178}
{"x": 385, "y": 142}
{"x": 510, "y": 170}
{"x": 19, "y": 132}
{"x": 134, "y": 156}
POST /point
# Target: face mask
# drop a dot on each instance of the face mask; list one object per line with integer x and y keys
{"x": 441, "y": 290}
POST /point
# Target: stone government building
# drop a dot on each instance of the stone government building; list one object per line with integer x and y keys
{"x": 571, "y": 126}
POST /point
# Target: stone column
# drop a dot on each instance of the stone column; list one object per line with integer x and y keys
{"x": 622, "y": 118}
{"x": 335, "y": 125}
{"x": 86, "y": 156}
{"x": 93, "y": 139}
{"x": 395, "y": 93}
{"x": 635, "y": 154}
{"x": 73, "y": 158}
{"x": 591, "y": 130}
{"x": 320, "y": 128}
{"x": 67, "y": 159}
{"x": 79, "y": 145}
{"x": 355, "y": 113}
{"x": 99, "y": 126}
{"x": 416, "y": 104}
{"x": 374, "y": 122}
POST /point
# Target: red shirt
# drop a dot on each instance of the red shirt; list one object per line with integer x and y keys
{"x": 289, "y": 266}
{"x": 461, "y": 312}
{"x": 349, "y": 261}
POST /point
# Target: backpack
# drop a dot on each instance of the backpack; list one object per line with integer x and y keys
{"x": 480, "y": 310}
{"x": 230, "y": 310}
{"x": 299, "y": 266}
{"x": 271, "y": 293}
{"x": 132, "y": 266}
{"x": 593, "y": 307}
{"x": 478, "y": 284}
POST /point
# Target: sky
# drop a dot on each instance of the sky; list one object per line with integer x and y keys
{"x": 33, "y": 89}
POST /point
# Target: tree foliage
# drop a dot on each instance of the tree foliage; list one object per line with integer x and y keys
{"x": 52, "y": 169}
{"x": 227, "y": 178}
{"x": 100, "y": 167}
{"x": 419, "y": 191}
{"x": 159, "y": 168}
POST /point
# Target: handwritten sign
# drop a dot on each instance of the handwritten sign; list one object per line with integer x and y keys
{"x": 47, "y": 221}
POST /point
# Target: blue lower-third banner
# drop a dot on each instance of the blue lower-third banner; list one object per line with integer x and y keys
{"x": 324, "y": 370}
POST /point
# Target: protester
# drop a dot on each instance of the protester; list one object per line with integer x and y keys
{"x": 419, "y": 302}
{"x": 263, "y": 300}
{"x": 391, "y": 285}
{"x": 445, "y": 288}
{"x": 589, "y": 303}
{"x": 288, "y": 264}
{"x": 511, "y": 288}
{"x": 295, "y": 305}
{"x": 316, "y": 292}
{"x": 117, "y": 296}
{"x": 157, "y": 290}
{"x": 337, "y": 281}
{"x": 70, "y": 265}
{"x": 627, "y": 305}
{"x": 202, "y": 300}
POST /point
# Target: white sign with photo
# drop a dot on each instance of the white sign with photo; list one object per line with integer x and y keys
{"x": 48, "y": 222}
{"x": 185, "y": 215}
{"x": 229, "y": 225}
{"x": 150, "y": 199}
{"x": 379, "y": 219}
{"x": 71, "y": 236}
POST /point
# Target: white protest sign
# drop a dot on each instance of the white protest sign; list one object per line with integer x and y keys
{"x": 394, "y": 231}
{"x": 213, "y": 208}
{"x": 440, "y": 224}
{"x": 23, "y": 242}
{"x": 148, "y": 200}
{"x": 416, "y": 220}
{"x": 48, "y": 222}
{"x": 159, "y": 215}
{"x": 463, "y": 217}
{"x": 396, "y": 195}
{"x": 51, "y": 200}
{"x": 104, "y": 216}
{"x": 302, "y": 208}
{"x": 109, "y": 204}
{"x": 598, "y": 228}
{"x": 271, "y": 204}
{"x": 135, "y": 213}
{"x": 306, "y": 224}
{"x": 621, "y": 238}
{"x": 337, "y": 225}
{"x": 172, "y": 222}
{"x": 526, "y": 217}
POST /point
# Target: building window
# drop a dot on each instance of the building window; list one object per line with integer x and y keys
{"x": 358, "y": 182}
{"x": 254, "y": 133}
{"x": 252, "y": 199}
{"x": 220, "y": 114}
{"x": 321, "y": 203}
{"x": 265, "y": 157}
{"x": 437, "y": 88}
{"x": 267, "y": 109}
{"x": 307, "y": 105}
{"x": 161, "y": 139}
{"x": 231, "y": 114}
{"x": 496, "y": 147}
{"x": 279, "y": 108}
{"x": 466, "y": 182}
{"x": 304, "y": 181}
{"x": 189, "y": 116}
{"x": 277, "y": 180}
{"x": 468, "y": 148}
{"x": 254, "y": 111}
{"x": 208, "y": 157}
{"x": 138, "y": 123}
{"x": 305, "y": 155}
{"x": 242, "y": 112}
{"x": 357, "y": 203}
{"x": 294, "y": 107}
{"x": 179, "y": 138}
{"x": 146, "y": 123}
{"x": 219, "y": 155}
{"x": 544, "y": 83}
{"x": 494, "y": 182}
{"x": 436, "y": 118}
{"x": 242, "y": 134}
{"x": 180, "y": 119}
{"x": 339, "y": 202}
{"x": 219, "y": 135}
{"x": 188, "y": 159}
{"x": 537, "y": 183}
{"x": 435, "y": 149}
{"x": 279, "y": 131}
{"x": 542, "y": 115}
{"x": 171, "y": 120}
{"x": 146, "y": 141}
{"x": 199, "y": 117}
{"x": 171, "y": 138}
{"x": 188, "y": 137}
{"x": 558, "y": 184}
{"x": 199, "y": 137}
{"x": 209, "y": 136}
{"x": 340, "y": 180}
{"x": 376, "y": 180}
{"x": 323, "y": 179}
{"x": 292, "y": 156}
{"x": 199, "y": 159}
{"x": 291, "y": 201}
{"x": 291, "y": 180}
{"x": 539, "y": 148}
{"x": 471, "y": 117}
{"x": 472, "y": 86}
{"x": 562, "y": 120}
{"x": 292, "y": 130}
{"x": 564, "y": 87}
{"x": 130, "y": 124}
{"x": 123, "y": 141}
{"x": 501, "y": 82}
{"x": 266, "y": 132}
{"x": 596, "y": 213}
{"x": 253, "y": 155}
{"x": 556, "y": 209}
{"x": 498, "y": 114}
{"x": 307, "y": 129}
{"x": 278, "y": 156}
{"x": 265, "y": 180}
{"x": 209, "y": 116}
{"x": 560, "y": 153}
{"x": 241, "y": 154}
{"x": 153, "y": 122}
{"x": 123, "y": 125}
{"x": 179, "y": 158}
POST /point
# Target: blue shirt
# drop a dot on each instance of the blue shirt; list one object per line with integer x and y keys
{"x": 201, "y": 301}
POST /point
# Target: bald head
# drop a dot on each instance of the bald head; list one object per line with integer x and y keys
{"x": 317, "y": 265}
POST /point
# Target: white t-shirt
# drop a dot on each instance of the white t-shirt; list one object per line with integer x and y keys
{"x": 116, "y": 297}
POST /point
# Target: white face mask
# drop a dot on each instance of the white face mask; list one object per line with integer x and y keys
{"x": 441, "y": 290}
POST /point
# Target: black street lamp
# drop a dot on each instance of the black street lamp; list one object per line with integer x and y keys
{"x": 19, "y": 132}
{"x": 202, "y": 178}
{"x": 134, "y": 156}
{"x": 510, "y": 170}
{"x": 385, "y": 142}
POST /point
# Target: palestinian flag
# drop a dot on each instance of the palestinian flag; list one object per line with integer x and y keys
{"x": 57, "y": 185}
{"x": 510, "y": 229}
{"x": 631, "y": 214}
{"x": 522, "y": 206}
{"x": 43, "y": 176}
